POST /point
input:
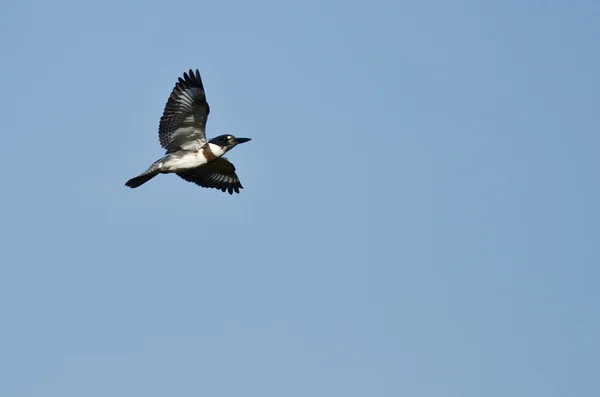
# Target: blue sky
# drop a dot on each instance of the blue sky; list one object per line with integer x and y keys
{"x": 420, "y": 213}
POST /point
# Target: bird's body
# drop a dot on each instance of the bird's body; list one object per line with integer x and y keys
{"x": 182, "y": 133}
{"x": 183, "y": 160}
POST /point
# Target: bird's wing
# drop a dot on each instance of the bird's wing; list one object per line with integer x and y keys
{"x": 183, "y": 123}
{"x": 218, "y": 174}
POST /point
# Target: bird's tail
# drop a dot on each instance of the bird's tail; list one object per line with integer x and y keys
{"x": 140, "y": 179}
{"x": 144, "y": 177}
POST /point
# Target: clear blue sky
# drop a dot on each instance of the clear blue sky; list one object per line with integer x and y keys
{"x": 420, "y": 213}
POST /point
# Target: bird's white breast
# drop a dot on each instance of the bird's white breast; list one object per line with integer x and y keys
{"x": 186, "y": 161}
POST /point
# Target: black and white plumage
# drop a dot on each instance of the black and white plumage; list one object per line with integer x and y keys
{"x": 182, "y": 132}
{"x": 218, "y": 174}
{"x": 183, "y": 123}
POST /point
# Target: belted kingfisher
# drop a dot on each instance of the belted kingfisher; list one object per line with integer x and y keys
{"x": 182, "y": 131}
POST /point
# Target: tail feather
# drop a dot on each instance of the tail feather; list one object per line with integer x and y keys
{"x": 141, "y": 179}
{"x": 145, "y": 176}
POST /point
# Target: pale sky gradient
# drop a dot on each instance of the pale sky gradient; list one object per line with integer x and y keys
{"x": 420, "y": 213}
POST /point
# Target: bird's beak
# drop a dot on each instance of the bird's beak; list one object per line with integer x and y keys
{"x": 241, "y": 140}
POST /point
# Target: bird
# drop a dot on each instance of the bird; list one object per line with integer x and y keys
{"x": 182, "y": 132}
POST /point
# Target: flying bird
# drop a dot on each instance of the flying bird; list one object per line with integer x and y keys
{"x": 182, "y": 132}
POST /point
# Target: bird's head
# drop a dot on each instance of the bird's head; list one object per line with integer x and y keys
{"x": 224, "y": 143}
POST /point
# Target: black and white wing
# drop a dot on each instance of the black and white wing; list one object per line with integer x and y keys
{"x": 183, "y": 123}
{"x": 218, "y": 174}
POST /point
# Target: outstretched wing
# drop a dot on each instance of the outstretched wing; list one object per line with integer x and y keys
{"x": 183, "y": 123}
{"x": 218, "y": 174}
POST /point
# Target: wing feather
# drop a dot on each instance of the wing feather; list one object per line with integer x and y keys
{"x": 218, "y": 174}
{"x": 183, "y": 123}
